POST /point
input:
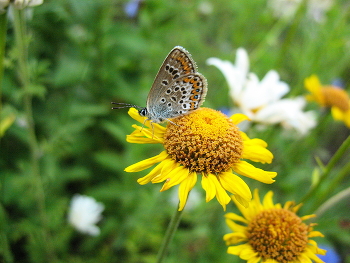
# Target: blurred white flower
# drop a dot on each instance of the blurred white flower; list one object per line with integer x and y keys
{"x": 19, "y": 4}
{"x": 3, "y": 5}
{"x": 205, "y": 8}
{"x": 24, "y": 3}
{"x": 284, "y": 8}
{"x": 84, "y": 213}
{"x": 262, "y": 100}
{"x": 316, "y": 9}
{"x": 194, "y": 199}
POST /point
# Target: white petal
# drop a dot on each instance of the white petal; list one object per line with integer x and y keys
{"x": 289, "y": 113}
{"x": 84, "y": 213}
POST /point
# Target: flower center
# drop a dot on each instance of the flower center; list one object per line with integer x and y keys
{"x": 204, "y": 141}
{"x": 336, "y": 97}
{"x": 278, "y": 234}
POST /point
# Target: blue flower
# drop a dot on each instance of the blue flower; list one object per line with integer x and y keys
{"x": 331, "y": 255}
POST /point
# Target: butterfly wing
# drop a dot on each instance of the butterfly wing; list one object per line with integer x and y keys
{"x": 183, "y": 95}
{"x": 177, "y": 64}
{"x": 177, "y": 89}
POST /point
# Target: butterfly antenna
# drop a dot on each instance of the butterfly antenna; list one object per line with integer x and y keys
{"x": 124, "y": 105}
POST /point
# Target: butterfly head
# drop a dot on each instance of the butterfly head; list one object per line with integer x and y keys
{"x": 143, "y": 112}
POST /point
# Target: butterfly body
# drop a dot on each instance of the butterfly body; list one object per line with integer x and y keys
{"x": 178, "y": 88}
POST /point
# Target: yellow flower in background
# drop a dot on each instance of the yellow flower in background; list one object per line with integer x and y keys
{"x": 204, "y": 142}
{"x": 329, "y": 96}
{"x": 268, "y": 232}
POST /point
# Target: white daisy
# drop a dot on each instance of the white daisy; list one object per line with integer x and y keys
{"x": 262, "y": 100}
{"x": 84, "y": 213}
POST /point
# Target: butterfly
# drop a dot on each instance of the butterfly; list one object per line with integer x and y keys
{"x": 177, "y": 90}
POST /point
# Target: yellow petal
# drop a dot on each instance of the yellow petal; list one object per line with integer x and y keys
{"x": 142, "y": 165}
{"x": 307, "y": 217}
{"x": 311, "y": 255}
{"x": 234, "y": 238}
{"x": 235, "y": 185}
{"x": 267, "y": 201}
{"x": 141, "y": 140}
{"x": 237, "y": 250}
{"x": 313, "y": 84}
{"x": 216, "y": 188}
{"x": 236, "y": 217}
{"x": 341, "y": 115}
{"x": 241, "y": 200}
{"x": 185, "y": 187}
{"x": 315, "y": 234}
{"x": 256, "y": 152}
{"x": 238, "y": 118}
{"x": 175, "y": 177}
{"x": 6, "y": 123}
{"x": 250, "y": 171}
{"x": 210, "y": 189}
{"x": 168, "y": 167}
{"x": 147, "y": 178}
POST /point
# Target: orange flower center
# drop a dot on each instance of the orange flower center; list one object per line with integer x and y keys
{"x": 336, "y": 97}
{"x": 278, "y": 234}
{"x": 205, "y": 141}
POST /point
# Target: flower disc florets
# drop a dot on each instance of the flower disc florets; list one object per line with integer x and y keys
{"x": 278, "y": 234}
{"x": 206, "y": 141}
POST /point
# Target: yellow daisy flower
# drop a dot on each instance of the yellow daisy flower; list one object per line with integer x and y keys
{"x": 272, "y": 233}
{"x": 203, "y": 142}
{"x": 329, "y": 96}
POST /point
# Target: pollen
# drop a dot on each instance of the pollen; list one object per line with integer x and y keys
{"x": 278, "y": 234}
{"x": 336, "y": 97}
{"x": 204, "y": 141}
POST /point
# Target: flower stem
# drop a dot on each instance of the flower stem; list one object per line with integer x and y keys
{"x": 326, "y": 172}
{"x": 21, "y": 37}
{"x": 174, "y": 223}
{"x": 4, "y": 242}
{"x": 331, "y": 202}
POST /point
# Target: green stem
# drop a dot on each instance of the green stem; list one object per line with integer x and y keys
{"x": 5, "y": 250}
{"x": 174, "y": 223}
{"x": 331, "y": 202}
{"x": 333, "y": 184}
{"x": 326, "y": 172}
{"x": 24, "y": 78}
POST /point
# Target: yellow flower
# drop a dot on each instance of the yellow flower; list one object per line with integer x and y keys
{"x": 268, "y": 232}
{"x": 329, "y": 96}
{"x": 204, "y": 142}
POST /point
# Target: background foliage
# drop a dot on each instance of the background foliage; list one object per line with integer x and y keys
{"x": 85, "y": 54}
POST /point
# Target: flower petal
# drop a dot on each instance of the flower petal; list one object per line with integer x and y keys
{"x": 234, "y": 238}
{"x": 147, "y": 178}
{"x": 213, "y": 187}
{"x": 210, "y": 189}
{"x": 175, "y": 177}
{"x": 253, "y": 150}
{"x": 142, "y": 165}
{"x": 237, "y": 250}
{"x": 185, "y": 187}
{"x": 235, "y": 185}
{"x": 168, "y": 167}
{"x": 248, "y": 170}
{"x": 238, "y": 118}
{"x": 236, "y": 217}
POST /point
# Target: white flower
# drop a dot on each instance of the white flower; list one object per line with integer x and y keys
{"x": 3, "y": 4}
{"x": 262, "y": 100}
{"x": 84, "y": 213}
{"x": 24, "y": 3}
{"x": 19, "y": 4}
{"x": 316, "y": 9}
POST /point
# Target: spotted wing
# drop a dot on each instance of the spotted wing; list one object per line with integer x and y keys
{"x": 177, "y": 64}
{"x": 183, "y": 95}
